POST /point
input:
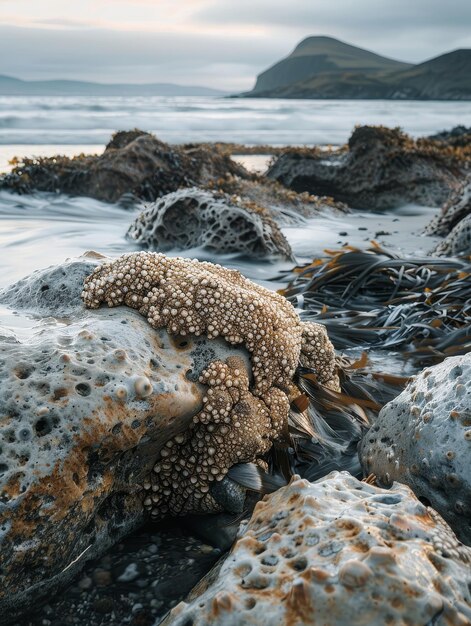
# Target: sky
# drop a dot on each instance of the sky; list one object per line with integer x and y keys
{"x": 216, "y": 43}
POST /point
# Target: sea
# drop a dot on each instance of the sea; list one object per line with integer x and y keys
{"x": 42, "y": 229}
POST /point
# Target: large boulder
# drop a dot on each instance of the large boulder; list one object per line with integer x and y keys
{"x": 337, "y": 552}
{"x": 380, "y": 168}
{"x": 423, "y": 439}
{"x": 87, "y": 401}
{"x": 107, "y": 412}
{"x": 133, "y": 162}
{"x": 189, "y": 218}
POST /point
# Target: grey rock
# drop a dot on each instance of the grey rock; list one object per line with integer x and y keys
{"x": 423, "y": 439}
{"x": 190, "y": 218}
{"x": 337, "y": 551}
{"x": 458, "y": 241}
{"x": 86, "y": 403}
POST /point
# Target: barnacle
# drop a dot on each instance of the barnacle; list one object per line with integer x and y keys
{"x": 238, "y": 421}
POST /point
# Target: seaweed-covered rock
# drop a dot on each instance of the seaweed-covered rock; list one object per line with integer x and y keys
{"x": 423, "y": 439}
{"x": 192, "y": 217}
{"x": 457, "y": 242}
{"x": 337, "y": 552}
{"x": 381, "y": 168}
{"x": 133, "y": 162}
{"x": 453, "y": 211}
{"x": 86, "y": 404}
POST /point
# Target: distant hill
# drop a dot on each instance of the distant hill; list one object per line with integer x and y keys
{"x": 10, "y": 86}
{"x": 323, "y": 67}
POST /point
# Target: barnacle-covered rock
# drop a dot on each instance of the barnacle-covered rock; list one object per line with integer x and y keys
{"x": 239, "y": 420}
{"x": 87, "y": 401}
{"x": 233, "y": 427}
{"x": 191, "y": 297}
{"x": 193, "y": 217}
{"x": 337, "y": 552}
{"x": 380, "y": 168}
{"x": 458, "y": 241}
{"x": 423, "y": 439}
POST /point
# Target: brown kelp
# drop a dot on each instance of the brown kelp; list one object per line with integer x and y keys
{"x": 376, "y": 299}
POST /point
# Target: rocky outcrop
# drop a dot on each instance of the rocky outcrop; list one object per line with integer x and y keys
{"x": 86, "y": 404}
{"x": 193, "y": 217}
{"x": 381, "y": 168}
{"x": 133, "y": 162}
{"x": 423, "y": 439}
{"x": 337, "y": 552}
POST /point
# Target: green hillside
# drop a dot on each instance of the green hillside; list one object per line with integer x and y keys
{"x": 325, "y": 68}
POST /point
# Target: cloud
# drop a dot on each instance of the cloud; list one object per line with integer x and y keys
{"x": 407, "y": 29}
{"x": 125, "y": 56}
{"x": 220, "y": 43}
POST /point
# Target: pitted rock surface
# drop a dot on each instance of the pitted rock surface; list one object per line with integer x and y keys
{"x": 457, "y": 242}
{"x": 190, "y": 218}
{"x": 456, "y": 209}
{"x": 87, "y": 401}
{"x": 423, "y": 439}
{"x": 336, "y": 552}
{"x": 382, "y": 168}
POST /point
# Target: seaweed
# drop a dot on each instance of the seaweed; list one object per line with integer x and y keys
{"x": 376, "y": 299}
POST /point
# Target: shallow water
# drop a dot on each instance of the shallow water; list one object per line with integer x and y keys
{"x": 44, "y": 228}
{"x": 91, "y": 120}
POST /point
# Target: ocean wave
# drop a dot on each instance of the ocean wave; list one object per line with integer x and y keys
{"x": 82, "y": 120}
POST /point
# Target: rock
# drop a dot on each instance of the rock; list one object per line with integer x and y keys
{"x": 245, "y": 409}
{"x": 86, "y": 404}
{"x": 337, "y": 552}
{"x": 453, "y": 211}
{"x": 189, "y": 218}
{"x": 380, "y": 169}
{"x": 458, "y": 242}
{"x": 423, "y": 439}
{"x": 458, "y": 136}
{"x": 133, "y": 162}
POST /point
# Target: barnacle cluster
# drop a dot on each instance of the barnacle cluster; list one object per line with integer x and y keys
{"x": 239, "y": 419}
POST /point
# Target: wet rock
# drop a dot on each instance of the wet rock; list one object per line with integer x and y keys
{"x": 457, "y": 242}
{"x": 134, "y": 162}
{"x": 453, "y": 211}
{"x": 423, "y": 439}
{"x": 190, "y": 218}
{"x": 381, "y": 168}
{"x": 458, "y": 136}
{"x": 337, "y": 552}
{"x": 86, "y": 403}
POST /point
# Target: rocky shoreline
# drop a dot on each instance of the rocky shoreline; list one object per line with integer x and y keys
{"x": 176, "y": 387}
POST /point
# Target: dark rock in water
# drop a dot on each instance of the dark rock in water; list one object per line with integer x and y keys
{"x": 453, "y": 211}
{"x": 86, "y": 404}
{"x": 193, "y": 217}
{"x": 457, "y": 136}
{"x": 423, "y": 439}
{"x": 134, "y": 162}
{"x": 337, "y": 551}
{"x": 381, "y": 168}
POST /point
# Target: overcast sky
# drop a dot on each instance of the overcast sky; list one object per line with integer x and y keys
{"x": 218, "y": 43}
